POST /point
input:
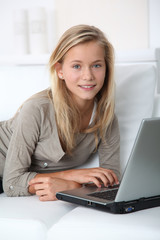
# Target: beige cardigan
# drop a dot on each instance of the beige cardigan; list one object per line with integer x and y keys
{"x": 29, "y": 144}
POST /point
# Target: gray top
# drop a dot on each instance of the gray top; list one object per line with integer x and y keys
{"x": 29, "y": 144}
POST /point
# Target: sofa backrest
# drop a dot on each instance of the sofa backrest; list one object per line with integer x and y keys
{"x": 136, "y": 83}
{"x": 135, "y": 91}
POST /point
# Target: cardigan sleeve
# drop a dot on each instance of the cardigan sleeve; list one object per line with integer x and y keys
{"x": 21, "y": 147}
{"x": 109, "y": 149}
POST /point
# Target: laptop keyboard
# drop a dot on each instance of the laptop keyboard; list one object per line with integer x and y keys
{"x": 107, "y": 195}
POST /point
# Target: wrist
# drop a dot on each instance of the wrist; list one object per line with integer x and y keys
{"x": 61, "y": 175}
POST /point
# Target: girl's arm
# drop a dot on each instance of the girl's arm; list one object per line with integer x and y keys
{"x": 109, "y": 156}
{"x": 109, "y": 150}
{"x": 96, "y": 175}
{"x": 46, "y": 185}
{"x": 21, "y": 147}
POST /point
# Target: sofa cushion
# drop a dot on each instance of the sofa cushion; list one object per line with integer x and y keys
{"x": 87, "y": 223}
{"x": 26, "y": 229}
{"x": 29, "y": 214}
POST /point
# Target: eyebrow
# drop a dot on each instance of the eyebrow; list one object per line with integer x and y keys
{"x": 79, "y": 61}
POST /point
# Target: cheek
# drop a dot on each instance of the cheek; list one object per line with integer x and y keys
{"x": 70, "y": 77}
{"x": 100, "y": 77}
{"x": 70, "y": 81}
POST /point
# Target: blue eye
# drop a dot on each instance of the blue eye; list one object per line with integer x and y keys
{"x": 97, "y": 66}
{"x": 76, "y": 66}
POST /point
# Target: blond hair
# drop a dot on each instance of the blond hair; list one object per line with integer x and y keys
{"x": 67, "y": 115}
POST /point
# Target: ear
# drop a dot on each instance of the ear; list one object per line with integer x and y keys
{"x": 58, "y": 68}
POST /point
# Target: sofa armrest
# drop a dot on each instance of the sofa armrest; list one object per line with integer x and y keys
{"x": 156, "y": 106}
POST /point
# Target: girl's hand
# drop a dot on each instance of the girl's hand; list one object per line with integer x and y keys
{"x": 47, "y": 187}
{"x": 96, "y": 175}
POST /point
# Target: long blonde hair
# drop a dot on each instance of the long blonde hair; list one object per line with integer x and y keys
{"x": 67, "y": 115}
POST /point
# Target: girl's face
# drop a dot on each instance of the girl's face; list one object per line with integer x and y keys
{"x": 83, "y": 70}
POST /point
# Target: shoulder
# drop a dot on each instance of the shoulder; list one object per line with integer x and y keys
{"x": 39, "y": 99}
{"x": 115, "y": 121}
{"x": 113, "y": 129}
{"x": 38, "y": 106}
{"x": 39, "y": 102}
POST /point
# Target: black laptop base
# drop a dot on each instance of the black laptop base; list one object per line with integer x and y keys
{"x": 136, "y": 205}
{"x": 115, "y": 207}
{"x": 1, "y": 187}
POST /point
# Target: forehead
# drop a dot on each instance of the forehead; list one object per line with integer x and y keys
{"x": 89, "y": 50}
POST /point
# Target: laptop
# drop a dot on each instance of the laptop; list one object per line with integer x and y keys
{"x": 140, "y": 185}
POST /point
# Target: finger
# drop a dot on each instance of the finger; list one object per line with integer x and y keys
{"x": 102, "y": 178}
{"x": 35, "y": 181}
{"x": 115, "y": 179}
{"x": 41, "y": 192}
{"x": 47, "y": 198}
{"x": 45, "y": 195}
{"x": 39, "y": 180}
{"x": 94, "y": 180}
{"x": 40, "y": 186}
{"x": 111, "y": 176}
{"x": 112, "y": 179}
{"x": 104, "y": 175}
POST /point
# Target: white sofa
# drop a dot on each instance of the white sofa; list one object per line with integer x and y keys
{"x": 29, "y": 219}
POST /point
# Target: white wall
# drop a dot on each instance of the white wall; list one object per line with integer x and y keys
{"x": 129, "y": 24}
{"x": 7, "y": 8}
{"x": 125, "y": 22}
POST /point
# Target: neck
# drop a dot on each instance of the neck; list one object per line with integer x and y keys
{"x": 86, "y": 112}
{"x": 85, "y": 107}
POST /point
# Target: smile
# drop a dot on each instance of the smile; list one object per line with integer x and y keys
{"x": 87, "y": 86}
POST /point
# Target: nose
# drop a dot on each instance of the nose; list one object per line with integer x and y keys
{"x": 87, "y": 74}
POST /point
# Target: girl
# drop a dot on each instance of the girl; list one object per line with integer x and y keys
{"x": 59, "y": 128}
